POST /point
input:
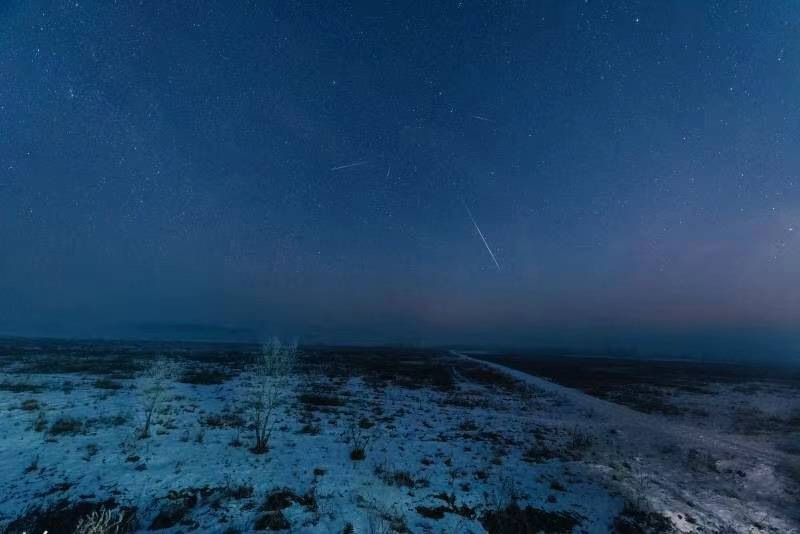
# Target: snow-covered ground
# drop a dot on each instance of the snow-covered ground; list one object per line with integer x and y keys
{"x": 465, "y": 456}
{"x": 704, "y": 473}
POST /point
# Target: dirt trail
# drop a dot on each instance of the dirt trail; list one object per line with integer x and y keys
{"x": 615, "y": 415}
{"x": 671, "y": 480}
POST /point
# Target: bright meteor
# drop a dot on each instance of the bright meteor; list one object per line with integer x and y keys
{"x": 471, "y": 218}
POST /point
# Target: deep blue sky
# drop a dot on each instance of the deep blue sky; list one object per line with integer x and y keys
{"x": 633, "y": 166}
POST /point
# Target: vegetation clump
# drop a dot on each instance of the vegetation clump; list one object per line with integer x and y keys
{"x": 514, "y": 519}
{"x": 65, "y": 426}
{"x": 635, "y": 519}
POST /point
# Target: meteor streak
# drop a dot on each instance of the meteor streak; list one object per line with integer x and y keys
{"x": 471, "y": 218}
{"x": 356, "y": 164}
{"x": 481, "y": 118}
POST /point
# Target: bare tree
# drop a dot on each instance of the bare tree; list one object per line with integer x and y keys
{"x": 269, "y": 388}
{"x": 153, "y": 387}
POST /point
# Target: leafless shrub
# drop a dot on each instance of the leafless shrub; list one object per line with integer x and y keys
{"x": 101, "y": 522}
{"x": 269, "y": 388}
{"x": 358, "y": 439}
{"x": 153, "y": 386}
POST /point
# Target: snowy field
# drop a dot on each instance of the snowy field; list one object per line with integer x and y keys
{"x": 376, "y": 441}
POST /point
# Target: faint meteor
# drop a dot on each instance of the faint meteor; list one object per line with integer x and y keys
{"x": 471, "y": 218}
{"x": 356, "y": 164}
{"x": 481, "y": 118}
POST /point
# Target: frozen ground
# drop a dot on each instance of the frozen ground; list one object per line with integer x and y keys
{"x": 452, "y": 445}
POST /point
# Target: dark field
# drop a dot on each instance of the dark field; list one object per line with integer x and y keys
{"x": 738, "y": 399}
{"x": 602, "y": 377}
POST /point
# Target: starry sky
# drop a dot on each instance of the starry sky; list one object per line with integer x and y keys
{"x": 574, "y": 173}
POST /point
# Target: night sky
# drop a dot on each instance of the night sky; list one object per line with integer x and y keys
{"x": 330, "y": 170}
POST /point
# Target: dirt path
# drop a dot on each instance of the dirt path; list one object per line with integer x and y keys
{"x": 615, "y": 415}
{"x": 673, "y": 481}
